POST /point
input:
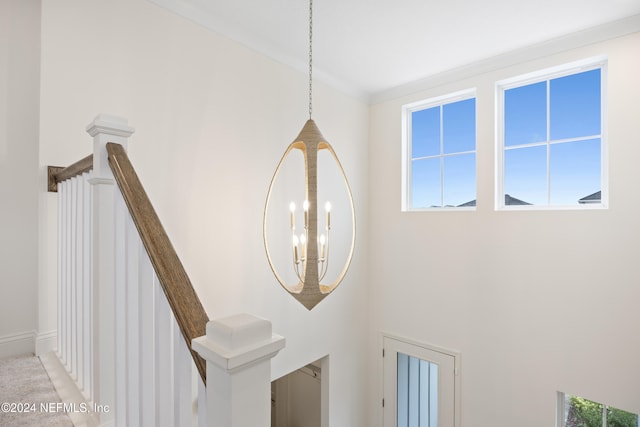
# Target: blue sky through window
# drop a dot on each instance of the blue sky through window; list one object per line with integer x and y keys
{"x": 525, "y": 114}
{"x": 552, "y": 140}
{"x": 443, "y": 159}
{"x": 552, "y": 145}
{"x": 575, "y": 105}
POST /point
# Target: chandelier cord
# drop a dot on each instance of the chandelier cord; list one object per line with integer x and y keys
{"x": 310, "y": 57}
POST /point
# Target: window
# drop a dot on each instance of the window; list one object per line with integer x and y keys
{"x": 417, "y": 400}
{"x": 574, "y": 411}
{"x": 551, "y": 147}
{"x": 439, "y": 152}
{"x": 421, "y": 385}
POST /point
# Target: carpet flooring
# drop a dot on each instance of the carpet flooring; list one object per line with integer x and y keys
{"x": 27, "y": 396}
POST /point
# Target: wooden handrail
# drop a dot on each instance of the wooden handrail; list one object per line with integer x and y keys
{"x": 57, "y": 174}
{"x": 183, "y": 300}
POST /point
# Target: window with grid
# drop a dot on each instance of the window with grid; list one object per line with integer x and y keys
{"x": 551, "y": 140}
{"x": 439, "y": 147}
{"x": 576, "y": 411}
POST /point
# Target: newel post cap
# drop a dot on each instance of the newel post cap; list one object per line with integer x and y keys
{"x": 235, "y": 342}
{"x": 106, "y": 128}
{"x": 110, "y": 125}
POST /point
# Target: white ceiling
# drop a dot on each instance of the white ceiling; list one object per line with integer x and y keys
{"x": 367, "y": 47}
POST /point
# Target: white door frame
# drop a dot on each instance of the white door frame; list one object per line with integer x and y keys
{"x": 448, "y": 378}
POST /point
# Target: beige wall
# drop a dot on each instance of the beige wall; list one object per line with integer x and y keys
{"x": 19, "y": 97}
{"x": 535, "y": 301}
{"x": 212, "y": 120}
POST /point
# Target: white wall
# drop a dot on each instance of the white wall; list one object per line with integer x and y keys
{"x": 19, "y": 97}
{"x": 212, "y": 119}
{"x": 536, "y": 302}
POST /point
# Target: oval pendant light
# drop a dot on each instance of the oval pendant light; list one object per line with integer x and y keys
{"x": 313, "y": 246}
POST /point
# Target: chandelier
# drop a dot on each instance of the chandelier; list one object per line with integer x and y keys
{"x": 311, "y": 246}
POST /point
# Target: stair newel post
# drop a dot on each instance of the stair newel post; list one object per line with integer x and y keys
{"x": 104, "y": 129}
{"x": 238, "y": 350}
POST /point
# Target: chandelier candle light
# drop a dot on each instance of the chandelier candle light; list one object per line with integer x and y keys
{"x": 310, "y": 245}
{"x": 301, "y": 250}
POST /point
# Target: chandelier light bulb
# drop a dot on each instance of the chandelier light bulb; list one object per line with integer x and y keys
{"x": 296, "y": 258}
{"x": 323, "y": 240}
{"x": 292, "y": 208}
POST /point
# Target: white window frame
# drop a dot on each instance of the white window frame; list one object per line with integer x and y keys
{"x": 561, "y": 409}
{"x": 391, "y": 345}
{"x": 407, "y": 111}
{"x": 599, "y": 62}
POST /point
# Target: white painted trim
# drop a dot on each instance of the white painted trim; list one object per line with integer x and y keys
{"x": 235, "y": 361}
{"x": 110, "y": 125}
{"x": 457, "y": 365}
{"x": 429, "y": 346}
{"x": 45, "y": 342}
{"x": 576, "y": 40}
{"x": 68, "y": 391}
{"x": 436, "y": 101}
{"x": 551, "y": 73}
{"x": 238, "y": 350}
{"x": 407, "y": 142}
{"x": 18, "y": 343}
{"x": 325, "y": 387}
{"x": 545, "y": 75}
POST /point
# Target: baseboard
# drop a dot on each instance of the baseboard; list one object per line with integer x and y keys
{"x": 69, "y": 392}
{"x": 16, "y": 344}
{"x": 46, "y": 342}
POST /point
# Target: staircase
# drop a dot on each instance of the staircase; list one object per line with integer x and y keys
{"x": 133, "y": 336}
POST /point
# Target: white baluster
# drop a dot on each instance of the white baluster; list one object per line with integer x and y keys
{"x": 73, "y": 283}
{"x": 182, "y": 378}
{"x": 135, "y": 252}
{"x": 77, "y": 277}
{"x": 79, "y": 285}
{"x": 62, "y": 222}
{"x": 120, "y": 301}
{"x": 67, "y": 278}
{"x": 147, "y": 345}
{"x": 163, "y": 332}
{"x": 132, "y": 308}
{"x": 87, "y": 319}
{"x": 202, "y": 402}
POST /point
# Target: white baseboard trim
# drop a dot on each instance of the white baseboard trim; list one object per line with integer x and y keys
{"x": 46, "y": 342}
{"x": 16, "y": 344}
{"x": 69, "y": 392}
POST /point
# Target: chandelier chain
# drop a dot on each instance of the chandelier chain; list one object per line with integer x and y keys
{"x": 310, "y": 57}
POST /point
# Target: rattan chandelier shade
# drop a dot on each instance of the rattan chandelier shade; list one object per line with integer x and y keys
{"x": 309, "y": 289}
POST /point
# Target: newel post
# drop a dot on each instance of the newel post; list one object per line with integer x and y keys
{"x": 238, "y": 350}
{"x": 104, "y": 129}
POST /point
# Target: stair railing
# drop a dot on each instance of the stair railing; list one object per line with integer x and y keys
{"x": 131, "y": 328}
